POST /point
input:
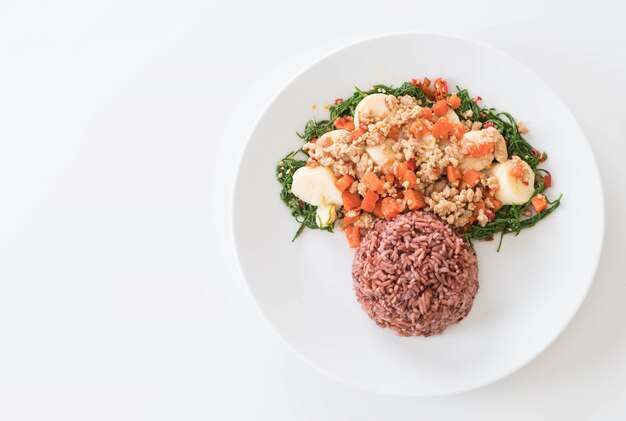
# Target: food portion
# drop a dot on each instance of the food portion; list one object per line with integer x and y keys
{"x": 411, "y": 175}
{"x": 316, "y": 185}
{"x": 394, "y": 150}
{"x": 516, "y": 181}
{"x": 415, "y": 274}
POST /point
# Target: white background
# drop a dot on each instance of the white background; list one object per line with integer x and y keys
{"x": 120, "y": 126}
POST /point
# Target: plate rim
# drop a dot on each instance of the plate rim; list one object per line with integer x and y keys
{"x": 363, "y": 40}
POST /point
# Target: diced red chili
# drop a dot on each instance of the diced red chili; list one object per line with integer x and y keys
{"x": 547, "y": 180}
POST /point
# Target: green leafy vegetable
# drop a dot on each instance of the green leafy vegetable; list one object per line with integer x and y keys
{"x": 510, "y": 219}
{"x": 314, "y": 129}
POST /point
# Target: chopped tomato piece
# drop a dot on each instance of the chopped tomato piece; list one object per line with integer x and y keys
{"x": 488, "y": 124}
{"x": 419, "y": 128}
{"x": 539, "y": 202}
{"x": 390, "y": 178}
{"x": 427, "y": 113}
{"x": 440, "y": 108}
{"x": 471, "y": 177}
{"x": 346, "y": 123}
{"x": 459, "y": 131}
{"x": 351, "y": 201}
{"x": 409, "y": 179}
{"x": 378, "y": 212}
{"x": 481, "y": 150}
{"x": 353, "y": 235}
{"x": 390, "y": 208}
{"x": 349, "y": 220}
{"x": 454, "y": 101}
{"x": 453, "y": 173}
{"x": 547, "y": 180}
{"x": 441, "y": 129}
{"x": 414, "y": 82}
{"x": 356, "y": 133}
{"x": 393, "y": 133}
{"x": 399, "y": 168}
{"x": 338, "y": 101}
{"x": 369, "y": 201}
{"x": 436, "y": 171}
{"x": 518, "y": 170}
{"x": 496, "y": 204}
{"x": 476, "y": 150}
{"x": 313, "y": 140}
{"x": 414, "y": 199}
{"x": 344, "y": 182}
{"x": 412, "y": 164}
{"x": 372, "y": 182}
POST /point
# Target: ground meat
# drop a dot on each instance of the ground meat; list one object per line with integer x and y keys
{"x": 521, "y": 127}
{"x": 345, "y": 155}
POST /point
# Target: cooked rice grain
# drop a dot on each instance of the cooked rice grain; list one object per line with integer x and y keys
{"x": 415, "y": 275}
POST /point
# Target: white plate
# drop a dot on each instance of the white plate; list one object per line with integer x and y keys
{"x": 528, "y": 292}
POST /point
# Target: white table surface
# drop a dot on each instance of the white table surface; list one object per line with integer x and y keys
{"x": 120, "y": 122}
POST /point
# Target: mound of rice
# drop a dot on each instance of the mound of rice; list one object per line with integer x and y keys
{"x": 415, "y": 275}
